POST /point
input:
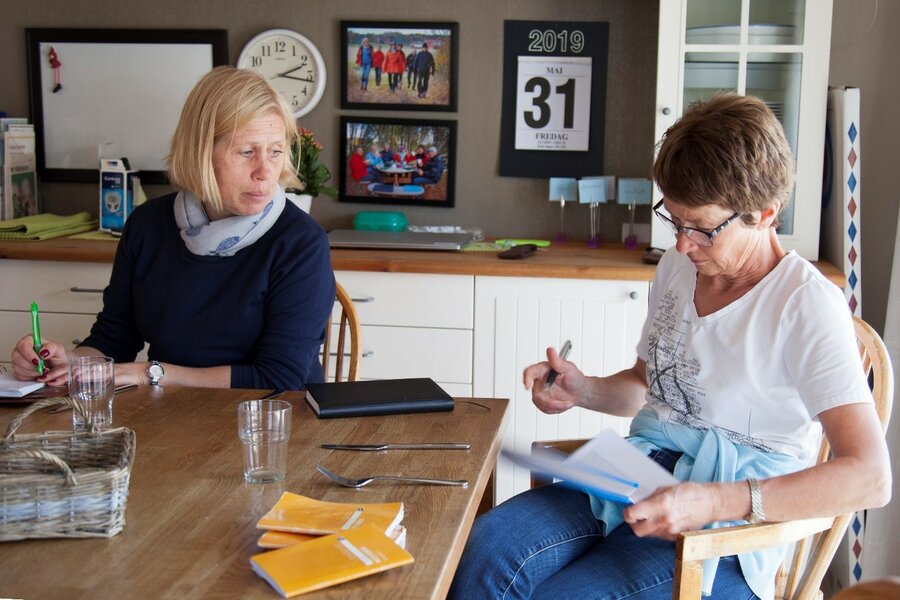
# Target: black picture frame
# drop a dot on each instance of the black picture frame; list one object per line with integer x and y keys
{"x": 380, "y": 186}
{"x": 443, "y": 41}
{"x": 119, "y": 86}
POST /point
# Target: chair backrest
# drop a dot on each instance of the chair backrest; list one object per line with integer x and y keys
{"x": 804, "y": 576}
{"x": 348, "y": 322}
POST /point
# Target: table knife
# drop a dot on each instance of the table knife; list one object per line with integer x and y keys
{"x": 377, "y": 447}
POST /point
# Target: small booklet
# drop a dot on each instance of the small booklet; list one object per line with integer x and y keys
{"x": 329, "y": 560}
{"x": 607, "y": 466}
{"x": 283, "y": 539}
{"x": 378, "y": 397}
{"x": 10, "y": 387}
{"x": 299, "y": 514}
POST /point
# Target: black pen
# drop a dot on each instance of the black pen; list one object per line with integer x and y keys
{"x": 563, "y": 354}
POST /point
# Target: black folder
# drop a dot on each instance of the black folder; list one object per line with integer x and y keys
{"x": 378, "y": 397}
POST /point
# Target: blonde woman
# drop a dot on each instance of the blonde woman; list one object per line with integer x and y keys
{"x": 229, "y": 284}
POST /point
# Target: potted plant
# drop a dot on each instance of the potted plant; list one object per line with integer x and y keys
{"x": 313, "y": 175}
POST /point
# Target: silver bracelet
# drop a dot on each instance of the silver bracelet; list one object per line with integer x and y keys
{"x": 757, "y": 515}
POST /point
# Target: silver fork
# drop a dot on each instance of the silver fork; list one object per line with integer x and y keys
{"x": 358, "y": 483}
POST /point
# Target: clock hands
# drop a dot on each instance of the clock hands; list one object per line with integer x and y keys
{"x": 296, "y": 78}
{"x": 285, "y": 74}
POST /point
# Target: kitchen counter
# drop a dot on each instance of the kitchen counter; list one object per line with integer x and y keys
{"x": 568, "y": 261}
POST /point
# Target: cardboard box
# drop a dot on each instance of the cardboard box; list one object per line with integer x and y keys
{"x": 117, "y": 191}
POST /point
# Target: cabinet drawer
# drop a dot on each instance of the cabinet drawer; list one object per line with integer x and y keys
{"x": 410, "y": 299}
{"x": 51, "y": 285}
{"x": 445, "y": 355}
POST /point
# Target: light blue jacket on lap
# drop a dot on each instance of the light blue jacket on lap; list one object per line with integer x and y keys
{"x": 709, "y": 456}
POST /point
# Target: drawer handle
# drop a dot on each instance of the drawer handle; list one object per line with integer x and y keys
{"x": 363, "y": 299}
{"x": 634, "y": 295}
{"x": 81, "y": 290}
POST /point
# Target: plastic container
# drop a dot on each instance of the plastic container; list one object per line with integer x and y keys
{"x": 371, "y": 220}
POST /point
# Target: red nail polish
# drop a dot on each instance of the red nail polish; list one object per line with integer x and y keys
{"x": 45, "y": 353}
{"x": 35, "y": 361}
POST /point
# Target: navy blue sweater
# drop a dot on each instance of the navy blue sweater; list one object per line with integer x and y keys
{"x": 262, "y": 311}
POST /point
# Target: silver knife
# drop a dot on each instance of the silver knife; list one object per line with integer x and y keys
{"x": 377, "y": 447}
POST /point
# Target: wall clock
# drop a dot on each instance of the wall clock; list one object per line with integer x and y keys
{"x": 291, "y": 63}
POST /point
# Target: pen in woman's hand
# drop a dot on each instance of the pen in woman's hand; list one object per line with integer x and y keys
{"x": 36, "y": 337}
{"x": 563, "y": 354}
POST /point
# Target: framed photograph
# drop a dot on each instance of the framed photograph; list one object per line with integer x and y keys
{"x": 120, "y": 88}
{"x": 393, "y": 65}
{"x": 397, "y": 161}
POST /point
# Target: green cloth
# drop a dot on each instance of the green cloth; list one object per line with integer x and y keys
{"x": 45, "y": 227}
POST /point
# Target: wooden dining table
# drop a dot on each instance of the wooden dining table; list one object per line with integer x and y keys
{"x": 190, "y": 519}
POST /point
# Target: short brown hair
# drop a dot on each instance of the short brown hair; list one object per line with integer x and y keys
{"x": 730, "y": 151}
{"x": 223, "y": 101}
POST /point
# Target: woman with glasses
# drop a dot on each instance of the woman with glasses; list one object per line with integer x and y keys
{"x": 747, "y": 355}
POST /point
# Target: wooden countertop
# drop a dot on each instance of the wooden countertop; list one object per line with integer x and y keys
{"x": 568, "y": 261}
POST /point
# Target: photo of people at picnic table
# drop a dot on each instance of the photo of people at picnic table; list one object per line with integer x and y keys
{"x": 395, "y": 161}
{"x": 408, "y": 67}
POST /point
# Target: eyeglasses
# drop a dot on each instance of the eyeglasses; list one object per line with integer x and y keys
{"x": 698, "y": 236}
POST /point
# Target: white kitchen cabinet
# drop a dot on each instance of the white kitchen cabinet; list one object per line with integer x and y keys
{"x": 69, "y": 296}
{"x": 775, "y": 49}
{"x": 414, "y": 325}
{"x": 517, "y": 318}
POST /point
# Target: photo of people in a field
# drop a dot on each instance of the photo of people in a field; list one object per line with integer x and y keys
{"x": 397, "y": 162}
{"x": 404, "y": 66}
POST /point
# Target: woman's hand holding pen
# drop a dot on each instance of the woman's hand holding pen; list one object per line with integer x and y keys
{"x": 25, "y": 361}
{"x": 564, "y": 393}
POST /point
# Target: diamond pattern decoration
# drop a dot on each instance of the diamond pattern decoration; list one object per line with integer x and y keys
{"x": 851, "y": 183}
{"x": 851, "y": 231}
{"x": 852, "y": 280}
{"x": 851, "y": 133}
{"x": 851, "y": 208}
{"x": 852, "y": 255}
{"x": 851, "y": 158}
{"x": 853, "y": 304}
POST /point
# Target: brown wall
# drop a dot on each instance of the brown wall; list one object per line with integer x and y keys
{"x": 501, "y": 206}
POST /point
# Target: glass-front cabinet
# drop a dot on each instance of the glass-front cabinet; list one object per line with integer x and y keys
{"x": 775, "y": 49}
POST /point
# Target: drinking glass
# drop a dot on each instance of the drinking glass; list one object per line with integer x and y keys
{"x": 264, "y": 427}
{"x": 92, "y": 383}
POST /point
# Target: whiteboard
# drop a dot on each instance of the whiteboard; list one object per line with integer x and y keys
{"x": 125, "y": 95}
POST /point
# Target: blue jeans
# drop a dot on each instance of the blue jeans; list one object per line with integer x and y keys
{"x": 364, "y": 74}
{"x": 546, "y": 543}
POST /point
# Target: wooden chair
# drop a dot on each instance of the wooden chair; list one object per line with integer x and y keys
{"x": 816, "y": 540}
{"x": 348, "y": 322}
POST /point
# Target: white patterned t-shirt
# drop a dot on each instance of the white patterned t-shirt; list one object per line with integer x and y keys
{"x": 758, "y": 370}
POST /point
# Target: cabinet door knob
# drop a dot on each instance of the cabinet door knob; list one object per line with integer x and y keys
{"x": 634, "y": 295}
{"x": 666, "y": 111}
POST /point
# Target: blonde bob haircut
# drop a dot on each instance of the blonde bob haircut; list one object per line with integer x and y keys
{"x": 729, "y": 151}
{"x": 225, "y": 100}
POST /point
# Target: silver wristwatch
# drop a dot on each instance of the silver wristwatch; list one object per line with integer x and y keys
{"x": 155, "y": 372}
{"x": 756, "y": 515}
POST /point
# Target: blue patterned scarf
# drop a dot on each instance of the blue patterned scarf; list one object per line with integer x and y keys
{"x": 223, "y": 237}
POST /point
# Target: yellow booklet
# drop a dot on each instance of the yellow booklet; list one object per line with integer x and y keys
{"x": 329, "y": 560}
{"x": 283, "y": 539}
{"x": 299, "y": 514}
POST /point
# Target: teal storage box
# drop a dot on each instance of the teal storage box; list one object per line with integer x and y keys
{"x": 370, "y": 220}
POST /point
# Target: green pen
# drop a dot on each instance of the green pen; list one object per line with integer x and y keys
{"x": 36, "y": 336}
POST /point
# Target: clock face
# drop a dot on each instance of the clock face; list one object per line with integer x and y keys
{"x": 290, "y": 63}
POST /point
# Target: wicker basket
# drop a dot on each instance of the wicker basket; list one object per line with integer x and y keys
{"x": 63, "y": 484}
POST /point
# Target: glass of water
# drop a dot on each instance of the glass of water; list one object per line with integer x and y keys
{"x": 92, "y": 383}
{"x": 264, "y": 427}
